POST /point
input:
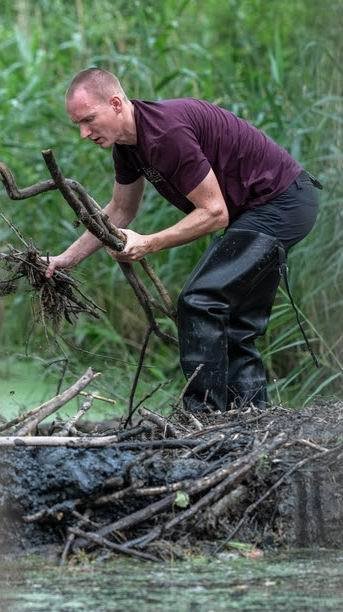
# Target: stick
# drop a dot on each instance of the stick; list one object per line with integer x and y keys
{"x": 99, "y": 397}
{"x": 87, "y": 404}
{"x": 137, "y": 373}
{"x": 93, "y": 537}
{"x": 159, "y": 286}
{"x": 56, "y": 402}
{"x": 90, "y": 442}
{"x": 81, "y": 212}
{"x": 189, "y": 381}
{"x": 162, "y": 423}
{"x": 71, "y": 536}
{"x": 204, "y": 445}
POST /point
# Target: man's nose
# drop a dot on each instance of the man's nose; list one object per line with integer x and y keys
{"x": 85, "y": 131}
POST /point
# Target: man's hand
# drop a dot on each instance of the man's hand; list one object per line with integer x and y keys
{"x": 137, "y": 246}
{"x": 55, "y": 263}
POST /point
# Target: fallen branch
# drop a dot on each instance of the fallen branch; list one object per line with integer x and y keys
{"x": 51, "y": 406}
{"x": 95, "y": 538}
{"x": 87, "y": 442}
{"x": 87, "y": 404}
{"x": 162, "y": 423}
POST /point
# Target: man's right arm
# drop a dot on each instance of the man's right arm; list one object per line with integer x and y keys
{"x": 121, "y": 210}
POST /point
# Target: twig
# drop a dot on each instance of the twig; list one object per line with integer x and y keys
{"x": 204, "y": 445}
{"x": 95, "y": 538}
{"x": 309, "y": 444}
{"x": 71, "y": 536}
{"x": 148, "y": 396}
{"x": 197, "y": 424}
{"x": 56, "y": 402}
{"x": 189, "y": 381}
{"x": 137, "y": 374}
{"x": 99, "y": 397}
{"x": 162, "y": 423}
{"x": 159, "y": 286}
{"x": 14, "y": 229}
{"x": 65, "y": 506}
{"x": 87, "y": 404}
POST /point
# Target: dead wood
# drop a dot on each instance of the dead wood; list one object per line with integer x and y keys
{"x": 70, "y": 425}
{"x": 96, "y": 539}
{"x": 52, "y": 405}
{"x": 85, "y": 442}
{"x": 162, "y": 423}
{"x": 82, "y": 520}
{"x": 131, "y": 409}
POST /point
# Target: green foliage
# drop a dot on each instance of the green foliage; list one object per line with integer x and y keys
{"x": 277, "y": 64}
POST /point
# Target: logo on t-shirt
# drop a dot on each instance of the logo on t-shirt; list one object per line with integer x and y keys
{"x": 152, "y": 175}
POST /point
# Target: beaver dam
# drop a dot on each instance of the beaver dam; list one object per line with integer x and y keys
{"x": 163, "y": 487}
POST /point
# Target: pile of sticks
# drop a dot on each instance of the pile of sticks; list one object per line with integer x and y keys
{"x": 127, "y": 516}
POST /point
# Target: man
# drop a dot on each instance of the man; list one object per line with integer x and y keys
{"x": 223, "y": 173}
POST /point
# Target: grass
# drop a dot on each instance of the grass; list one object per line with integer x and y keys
{"x": 277, "y": 64}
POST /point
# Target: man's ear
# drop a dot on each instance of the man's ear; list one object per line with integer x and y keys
{"x": 116, "y": 103}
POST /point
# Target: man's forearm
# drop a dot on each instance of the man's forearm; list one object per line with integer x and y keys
{"x": 197, "y": 223}
{"x": 88, "y": 243}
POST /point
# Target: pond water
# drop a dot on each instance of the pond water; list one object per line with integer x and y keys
{"x": 296, "y": 581}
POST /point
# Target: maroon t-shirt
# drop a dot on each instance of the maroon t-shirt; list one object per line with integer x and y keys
{"x": 179, "y": 141}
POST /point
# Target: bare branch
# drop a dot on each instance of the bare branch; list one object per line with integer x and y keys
{"x": 55, "y": 403}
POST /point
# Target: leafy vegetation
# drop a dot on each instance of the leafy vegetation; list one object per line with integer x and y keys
{"x": 278, "y": 64}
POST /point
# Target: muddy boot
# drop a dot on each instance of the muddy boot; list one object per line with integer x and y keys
{"x": 223, "y": 308}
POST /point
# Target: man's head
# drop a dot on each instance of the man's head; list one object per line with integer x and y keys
{"x": 96, "y": 102}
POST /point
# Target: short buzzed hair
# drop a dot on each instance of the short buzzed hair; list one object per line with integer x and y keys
{"x": 96, "y": 81}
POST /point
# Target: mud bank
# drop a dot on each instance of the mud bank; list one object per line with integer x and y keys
{"x": 272, "y": 479}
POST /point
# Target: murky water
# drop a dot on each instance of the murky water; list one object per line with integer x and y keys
{"x": 298, "y": 581}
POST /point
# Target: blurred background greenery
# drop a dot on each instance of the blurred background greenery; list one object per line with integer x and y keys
{"x": 277, "y": 64}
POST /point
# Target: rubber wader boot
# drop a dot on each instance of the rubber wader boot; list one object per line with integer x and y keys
{"x": 224, "y": 306}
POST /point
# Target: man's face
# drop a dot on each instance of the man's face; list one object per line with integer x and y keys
{"x": 101, "y": 122}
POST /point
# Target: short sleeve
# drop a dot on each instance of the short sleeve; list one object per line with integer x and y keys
{"x": 180, "y": 159}
{"x": 124, "y": 167}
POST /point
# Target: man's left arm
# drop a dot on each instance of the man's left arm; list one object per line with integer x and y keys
{"x": 209, "y": 215}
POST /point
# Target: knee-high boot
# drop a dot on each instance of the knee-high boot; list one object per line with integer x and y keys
{"x": 223, "y": 308}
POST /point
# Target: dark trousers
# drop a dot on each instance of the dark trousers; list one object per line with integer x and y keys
{"x": 226, "y": 303}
